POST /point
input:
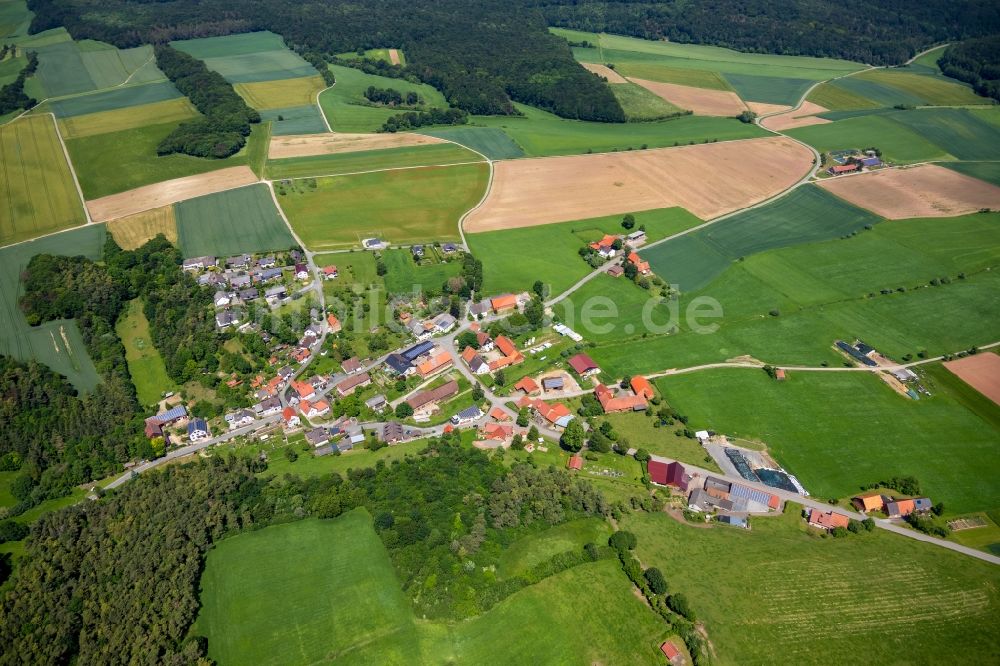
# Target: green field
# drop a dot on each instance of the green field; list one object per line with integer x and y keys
{"x": 10, "y": 68}
{"x": 988, "y": 171}
{"x": 66, "y": 67}
{"x": 492, "y": 142}
{"x": 769, "y": 89}
{"x": 697, "y": 78}
{"x": 14, "y": 18}
{"x": 822, "y": 292}
{"x": 402, "y": 206}
{"x": 295, "y": 120}
{"x": 263, "y": 95}
{"x": 117, "y": 161}
{"x": 102, "y": 122}
{"x": 321, "y": 591}
{"x": 540, "y": 133}
{"x": 966, "y": 134}
{"x": 347, "y": 110}
{"x": 514, "y": 258}
{"x": 837, "y": 98}
{"x": 45, "y": 343}
{"x": 641, "y": 105}
{"x": 777, "y": 595}
{"x": 39, "y": 193}
{"x": 849, "y": 429}
{"x": 370, "y": 160}
{"x": 247, "y": 58}
{"x": 927, "y": 90}
{"x": 639, "y": 431}
{"x": 805, "y": 214}
{"x": 534, "y": 549}
{"x": 119, "y": 98}
{"x": 240, "y": 220}
{"x": 145, "y": 364}
{"x": 404, "y": 275}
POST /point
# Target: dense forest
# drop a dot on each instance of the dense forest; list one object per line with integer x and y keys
{"x": 977, "y": 62}
{"x": 12, "y": 95}
{"x": 878, "y": 32}
{"x": 481, "y": 55}
{"x": 225, "y": 122}
{"x": 116, "y": 581}
{"x": 59, "y": 439}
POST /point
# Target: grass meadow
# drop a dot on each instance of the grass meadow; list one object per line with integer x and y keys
{"x": 118, "y": 161}
{"x": 541, "y": 134}
{"x": 347, "y": 110}
{"x": 822, "y": 292}
{"x": 39, "y": 194}
{"x": 514, "y": 258}
{"x": 403, "y": 273}
{"x": 321, "y": 591}
{"x": 57, "y": 344}
{"x": 757, "y": 592}
{"x": 240, "y": 220}
{"x": 145, "y": 365}
{"x": 532, "y": 550}
{"x": 118, "y": 98}
{"x": 927, "y": 90}
{"x": 370, "y": 160}
{"x": 304, "y": 119}
{"x": 697, "y": 78}
{"x": 281, "y": 93}
{"x": 402, "y": 206}
{"x": 136, "y": 230}
{"x": 492, "y": 142}
{"x": 103, "y": 122}
{"x": 640, "y": 104}
{"x": 850, "y": 429}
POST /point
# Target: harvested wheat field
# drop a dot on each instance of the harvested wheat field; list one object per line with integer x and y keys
{"x": 803, "y": 116}
{"x": 169, "y": 191}
{"x": 700, "y": 101}
{"x": 135, "y": 230}
{"x": 605, "y": 72}
{"x": 923, "y": 191}
{"x": 305, "y": 145}
{"x": 708, "y": 180}
{"x": 394, "y": 56}
{"x": 763, "y": 108}
{"x": 981, "y": 372}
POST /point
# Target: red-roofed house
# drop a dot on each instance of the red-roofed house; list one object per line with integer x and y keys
{"x": 496, "y": 431}
{"x": 624, "y": 403}
{"x": 605, "y": 246}
{"x": 575, "y": 462}
{"x": 869, "y": 502}
{"x": 468, "y": 354}
{"x": 304, "y": 390}
{"x": 435, "y": 364}
{"x": 329, "y": 272}
{"x": 838, "y": 169}
{"x": 506, "y": 346}
{"x": 900, "y": 508}
{"x": 484, "y": 341}
{"x": 505, "y": 361}
{"x": 313, "y": 410}
{"x": 640, "y": 265}
{"x": 504, "y": 303}
{"x": 499, "y": 414}
{"x": 290, "y": 417}
{"x": 641, "y": 387}
{"x": 527, "y": 384}
{"x": 779, "y": 374}
{"x": 557, "y": 414}
{"x": 525, "y": 401}
{"x": 667, "y": 474}
{"x": 828, "y": 520}
{"x": 584, "y": 365}
{"x": 332, "y": 323}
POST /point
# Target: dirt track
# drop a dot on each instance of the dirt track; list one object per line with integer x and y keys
{"x": 981, "y": 372}
{"x": 394, "y": 56}
{"x": 700, "y": 101}
{"x": 169, "y": 191}
{"x": 923, "y": 191}
{"x": 707, "y": 179}
{"x": 611, "y": 75}
{"x": 801, "y": 117}
{"x": 763, "y": 108}
{"x": 306, "y": 145}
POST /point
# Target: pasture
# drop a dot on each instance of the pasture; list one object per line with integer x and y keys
{"x": 542, "y": 134}
{"x": 103, "y": 122}
{"x": 514, "y": 258}
{"x": 533, "y": 549}
{"x": 347, "y": 109}
{"x": 240, "y": 220}
{"x": 39, "y": 193}
{"x": 281, "y": 93}
{"x": 641, "y": 105}
{"x": 405, "y": 276}
{"x": 341, "y": 601}
{"x": 119, "y": 98}
{"x": 829, "y": 290}
{"x": 492, "y": 142}
{"x": 287, "y": 120}
{"x": 757, "y": 592}
{"x": 838, "y": 98}
{"x": 114, "y": 162}
{"x": 849, "y": 429}
{"x": 248, "y": 57}
{"x": 370, "y": 160}
{"x": 57, "y": 344}
{"x": 402, "y": 206}
{"x": 136, "y": 230}
{"x": 145, "y": 365}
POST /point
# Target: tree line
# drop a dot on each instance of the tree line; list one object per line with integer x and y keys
{"x": 413, "y": 119}
{"x": 392, "y": 97}
{"x": 225, "y": 122}
{"x": 12, "y": 96}
{"x": 877, "y": 32}
{"x": 483, "y": 56}
{"x": 977, "y": 62}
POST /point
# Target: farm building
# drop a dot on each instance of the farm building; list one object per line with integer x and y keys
{"x": 869, "y": 502}
{"x": 640, "y": 265}
{"x": 641, "y": 387}
{"x": 526, "y": 384}
{"x": 828, "y": 520}
{"x": 901, "y": 508}
{"x": 636, "y": 237}
{"x": 552, "y": 383}
{"x": 765, "y": 501}
{"x": 435, "y": 364}
{"x": 605, "y": 246}
{"x": 575, "y": 462}
{"x": 154, "y": 424}
{"x": 620, "y": 403}
{"x": 840, "y": 169}
{"x": 349, "y": 385}
{"x": 426, "y": 400}
{"x": 616, "y": 271}
{"x": 665, "y": 473}
{"x": 584, "y": 365}
{"x": 671, "y": 652}
{"x": 504, "y": 303}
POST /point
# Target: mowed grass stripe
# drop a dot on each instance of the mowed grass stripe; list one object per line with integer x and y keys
{"x": 417, "y": 205}
{"x": 370, "y": 160}
{"x": 40, "y": 194}
{"x": 240, "y": 220}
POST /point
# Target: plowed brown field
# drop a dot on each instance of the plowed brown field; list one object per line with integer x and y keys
{"x": 708, "y": 180}
{"x": 305, "y": 145}
{"x": 800, "y": 117}
{"x": 700, "y": 101}
{"x": 981, "y": 372}
{"x": 611, "y": 75}
{"x": 923, "y": 191}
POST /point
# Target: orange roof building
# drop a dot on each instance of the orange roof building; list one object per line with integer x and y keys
{"x": 557, "y": 414}
{"x": 496, "y": 431}
{"x": 435, "y": 364}
{"x": 503, "y": 303}
{"x": 640, "y": 265}
{"x": 468, "y": 354}
{"x": 900, "y": 508}
{"x": 575, "y": 462}
{"x": 641, "y": 387}
{"x": 624, "y": 403}
{"x": 870, "y": 502}
{"x": 505, "y": 345}
{"x": 526, "y": 384}
{"x": 305, "y": 390}
{"x": 333, "y": 324}
{"x": 499, "y": 414}
{"x": 670, "y": 651}
{"x": 828, "y": 520}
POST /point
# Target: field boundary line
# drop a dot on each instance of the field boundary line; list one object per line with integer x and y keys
{"x": 319, "y": 107}
{"x": 482, "y": 200}
{"x": 361, "y": 173}
{"x": 172, "y": 203}
{"x": 72, "y": 170}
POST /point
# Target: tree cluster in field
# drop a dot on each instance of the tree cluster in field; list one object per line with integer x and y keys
{"x": 224, "y": 125}
{"x": 875, "y": 32}
{"x": 392, "y": 97}
{"x": 414, "y": 119}
{"x": 483, "y": 56}
{"x": 977, "y": 62}
{"x": 907, "y": 485}
{"x": 12, "y": 95}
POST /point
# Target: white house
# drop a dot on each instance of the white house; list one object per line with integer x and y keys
{"x": 222, "y": 299}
